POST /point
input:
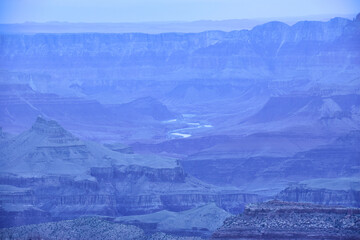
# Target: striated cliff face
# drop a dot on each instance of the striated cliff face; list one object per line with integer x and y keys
{"x": 47, "y": 148}
{"x": 271, "y": 174}
{"x": 286, "y": 220}
{"x": 53, "y": 198}
{"x": 324, "y": 196}
{"x": 309, "y": 50}
{"x": 49, "y": 174}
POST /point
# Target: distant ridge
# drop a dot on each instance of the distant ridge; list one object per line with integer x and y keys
{"x": 154, "y": 27}
{"x": 146, "y": 27}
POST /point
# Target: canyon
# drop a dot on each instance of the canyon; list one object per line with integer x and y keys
{"x": 244, "y": 134}
{"x": 52, "y": 175}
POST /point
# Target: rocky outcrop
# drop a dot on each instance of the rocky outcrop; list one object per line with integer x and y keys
{"x": 85, "y": 228}
{"x": 52, "y": 198}
{"x": 47, "y": 149}
{"x": 232, "y": 202}
{"x": 286, "y": 220}
{"x": 303, "y": 193}
{"x": 62, "y": 198}
{"x": 58, "y": 176}
{"x": 82, "y": 228}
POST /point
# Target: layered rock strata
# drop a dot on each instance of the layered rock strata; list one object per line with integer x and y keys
{"x": 286, "y": 220}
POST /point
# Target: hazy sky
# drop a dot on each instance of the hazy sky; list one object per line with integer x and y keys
{"x": 17, "y": 11}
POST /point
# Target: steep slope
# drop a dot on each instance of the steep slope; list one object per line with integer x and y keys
{"x": 48, "y": 174}
{"x": 146, "y": 106}
{"x": 47, "y": 148}
{"x": 223, "y": 77}
{"x": 20, "y": 104}
{"x": 280, "y": 126}
{"x": 321, "y": 52}
{"x": 271, "y": 174}
{"x": 320, "y": 115}
{"x": 202, "y": 220}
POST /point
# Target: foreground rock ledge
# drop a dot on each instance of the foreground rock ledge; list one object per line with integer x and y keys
{"x": 287, "y": 220}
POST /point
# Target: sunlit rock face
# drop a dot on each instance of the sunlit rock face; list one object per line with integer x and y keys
{"x": 286, "y": 220}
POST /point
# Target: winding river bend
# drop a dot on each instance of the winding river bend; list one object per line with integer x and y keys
{"x": 186, "y": 131}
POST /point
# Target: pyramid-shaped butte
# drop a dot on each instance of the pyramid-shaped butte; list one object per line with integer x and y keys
{"x": 52, "y": 131}
{"x": 48, "y": 127}
{"x": 47, "y": 149}
{"x": 69, "y": 177}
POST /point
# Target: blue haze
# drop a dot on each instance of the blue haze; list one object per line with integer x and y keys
{"x": 96, "y": 11}
{"x": 206, "y": 130}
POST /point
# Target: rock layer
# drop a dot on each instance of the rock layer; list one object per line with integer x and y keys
{"x": 286, "y": 220}
{"x": 49, "y": 174}
{"x": 303, "y": 193}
